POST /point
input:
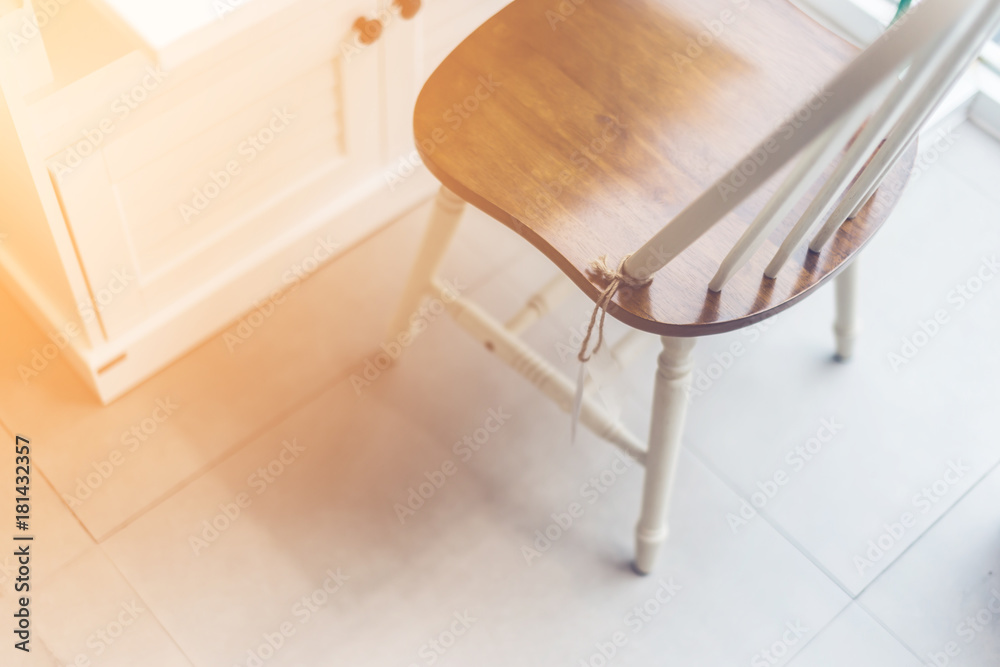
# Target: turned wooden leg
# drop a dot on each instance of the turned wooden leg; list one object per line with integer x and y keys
{"x": 447, "y": 213}
{"x": 670, "y": 397}
{"x": 847, "y": 324}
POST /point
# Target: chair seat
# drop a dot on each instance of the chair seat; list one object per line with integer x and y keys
{"x": 586, "y": 125}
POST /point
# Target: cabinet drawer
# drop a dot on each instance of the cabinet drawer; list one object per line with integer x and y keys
{"x": 300, "y": 49}
{"x": 196, "y": 94}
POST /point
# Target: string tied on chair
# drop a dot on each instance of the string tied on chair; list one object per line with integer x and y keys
{"x": 615, "y": 280}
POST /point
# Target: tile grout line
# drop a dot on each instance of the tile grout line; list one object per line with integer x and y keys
{"x": 94, "y": 544}
{"x": 923, "y": 533}
{"x": 55, "y": 491}
{"x": 767, "y": 519}
{"x": 795, "y": 545}
{"x": 152, "y": 613}
{"x": 856, "y": 598}
{"x": 852, "y": 598}
{"x": 221, "y": 458}
{"x": 889, "y": 631}
{"x": 809, "y": 641}
{"x": 921, "y": 537}
{"x": 63, "y": 503}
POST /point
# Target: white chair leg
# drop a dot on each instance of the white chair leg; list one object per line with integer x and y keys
{"x": 448, "y": 209}
{"x": 670, "y": 398}
{"x": 847, "y": 324}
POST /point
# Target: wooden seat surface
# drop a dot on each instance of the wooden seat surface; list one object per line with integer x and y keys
{"x": 587, "y": 130}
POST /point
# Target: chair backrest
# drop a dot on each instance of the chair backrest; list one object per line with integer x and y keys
{"x": 881, "y": 100}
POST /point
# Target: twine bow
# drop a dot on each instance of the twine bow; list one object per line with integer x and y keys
{"x": 615, "y": 280}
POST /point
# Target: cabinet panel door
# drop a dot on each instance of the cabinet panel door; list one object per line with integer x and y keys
{"x": 229, "y": 173}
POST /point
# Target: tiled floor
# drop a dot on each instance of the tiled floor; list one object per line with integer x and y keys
{"x": 258, "y": 520}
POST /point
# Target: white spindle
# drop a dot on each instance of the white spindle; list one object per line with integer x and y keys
{"x": 847, "y": 324}
{"x": 911, "y": 91}
{"x": 551, "y": 295}
{"x": 945, "y": 76}
{"x": 525, "y": 361}
{"x": 889, "y": 53}
{"x": 808, "y": 168}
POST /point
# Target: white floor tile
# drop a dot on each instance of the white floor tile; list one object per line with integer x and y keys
{"x": 88, "y": 614}
{"x": 854, "y": 638}
{"x": 460, "y": 552}
{"x": 942, "y": 597}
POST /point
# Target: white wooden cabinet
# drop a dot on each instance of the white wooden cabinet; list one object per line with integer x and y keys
{"x": 165, "y": 164}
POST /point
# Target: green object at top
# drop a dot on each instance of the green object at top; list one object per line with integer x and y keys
{"x": 903, "y": 6}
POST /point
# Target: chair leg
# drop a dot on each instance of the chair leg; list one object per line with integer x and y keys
{"x": 670, "y": 398}
{"x": 847, "y": 324}
{"x": 448, "y": 209}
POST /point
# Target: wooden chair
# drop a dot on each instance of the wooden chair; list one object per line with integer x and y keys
{"x": 644, "y": 131}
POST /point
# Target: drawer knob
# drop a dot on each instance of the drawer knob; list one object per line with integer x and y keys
{"x": 407, "y": 8}
{"x": 368, "y": 30}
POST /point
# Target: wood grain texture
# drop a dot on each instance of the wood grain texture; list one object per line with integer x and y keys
{"x": 586, "y": 132}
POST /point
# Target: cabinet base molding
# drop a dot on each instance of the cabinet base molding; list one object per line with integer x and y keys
{"x": 114, "y": 367}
